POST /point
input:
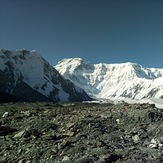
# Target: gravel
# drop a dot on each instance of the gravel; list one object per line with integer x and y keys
{"x": 80, "y": 133}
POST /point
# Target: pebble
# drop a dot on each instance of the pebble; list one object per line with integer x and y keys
{"x": 136, "y": 138}
{"x": 155, "y": 143}
{"x": 6, "y": 114}
{"x": 65, "y": 158}
{"x": 19, "y": 134}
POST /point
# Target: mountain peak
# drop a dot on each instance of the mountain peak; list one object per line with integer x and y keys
{"x": 103, "y": 80}
{"x": 73, "y": 64}
{"x": 75, "y": 61}
{"x": 27, "y": 75}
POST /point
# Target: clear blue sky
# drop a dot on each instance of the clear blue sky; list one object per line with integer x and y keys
{"x": 108, "y": 31}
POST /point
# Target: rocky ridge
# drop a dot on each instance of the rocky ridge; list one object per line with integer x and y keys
{"x": 80, "y": 133}
{"x": 26, "y": 76}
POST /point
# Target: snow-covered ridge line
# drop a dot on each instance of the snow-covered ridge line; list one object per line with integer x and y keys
{"x": 124, "y": 80}
{"x": 22, "y": 70}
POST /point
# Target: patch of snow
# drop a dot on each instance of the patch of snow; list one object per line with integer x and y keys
{"x": 158, "y": 102}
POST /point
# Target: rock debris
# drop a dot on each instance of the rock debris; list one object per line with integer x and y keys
{"x": 81, "y": 133}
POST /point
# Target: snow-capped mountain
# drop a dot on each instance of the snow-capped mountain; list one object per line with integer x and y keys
{"x": 125, "y": 80}
{"x": 26, "y": 75}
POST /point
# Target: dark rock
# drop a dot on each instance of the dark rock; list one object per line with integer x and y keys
{"x": 112, "y": 158}
{"x": 84, "y": 160}
{"x": 5, "y": 130}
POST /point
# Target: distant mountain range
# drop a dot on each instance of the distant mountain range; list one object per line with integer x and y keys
{"x": 125, "y": 80}
{"x": 26, "y": 76}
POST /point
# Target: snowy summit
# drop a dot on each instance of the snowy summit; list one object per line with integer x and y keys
{"x": 125, "y": 80}
{"x": 27, "y": 76}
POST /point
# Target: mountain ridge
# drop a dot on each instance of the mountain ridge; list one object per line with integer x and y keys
{"x": 27, "y": 74}
{"x": 124, "y": 80}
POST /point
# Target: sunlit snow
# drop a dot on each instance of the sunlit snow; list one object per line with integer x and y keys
{"x": 125, "y": 80}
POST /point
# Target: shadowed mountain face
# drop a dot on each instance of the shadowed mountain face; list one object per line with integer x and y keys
{"x": 125, "y": 80}
{"x": 5, "y": 97}
{"x": 26, "y": 76}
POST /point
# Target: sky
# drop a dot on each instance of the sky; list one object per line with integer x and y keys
{"x": 98, "y": 31}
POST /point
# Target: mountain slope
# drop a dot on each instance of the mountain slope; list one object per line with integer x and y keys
{"x": 126, "y": 80}
{"x": 27, "y": 75}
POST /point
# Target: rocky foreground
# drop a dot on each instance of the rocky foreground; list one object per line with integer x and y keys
{"x": 80, "y": 133}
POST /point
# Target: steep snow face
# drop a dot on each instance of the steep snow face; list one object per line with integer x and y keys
{"x": 29, "y": 64}
{"x": 125, "y": 80}
{"x": 32, "y": 69}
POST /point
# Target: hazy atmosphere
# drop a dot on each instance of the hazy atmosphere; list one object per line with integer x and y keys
{"x": 108, "y": 31}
